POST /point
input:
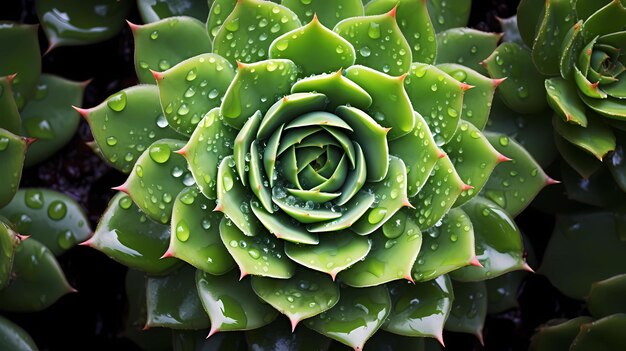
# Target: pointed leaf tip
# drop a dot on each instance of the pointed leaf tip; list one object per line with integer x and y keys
{"x": 123, "y": 188}
{"x": 475, "y": 262}
{"x": 393, "y": 11}
{"x": 502, "y": 158}
{"x": 240, "y": 65}
{"x": 481, "y": 339}
{"x": 466, "y": 87}
{"x": 183, "y": 151}
{"x": 157, "y": 75}
{"x": 81, "y": 111}
{"x": 440, "y": 339}
{"x": 315, "y": 19}
{"x": 466, "y": 187}
{"x": 498, "y": 81}
{"x": 527, "y": 268}
{"x": 242, "y": 275}
{"x": 168, "y": 253}
{"x": 551, "y": 181}
{"x": 29, "y": 140}
{"x": 133, "y": 27}
{"x": 294, "y": 323}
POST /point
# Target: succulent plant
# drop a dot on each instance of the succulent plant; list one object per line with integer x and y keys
{"x": 572, "y": 51}
{"x": 337, "y": 177}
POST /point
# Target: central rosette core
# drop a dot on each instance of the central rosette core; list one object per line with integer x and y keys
{"x": 304, "y": 167}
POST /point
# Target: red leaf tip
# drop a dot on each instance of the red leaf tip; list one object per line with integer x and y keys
{"x": 132, "y": 26}
{"x": 393, "y": 11}
{"x": 498, "y": 81}
{"x": 82, "y": 111}
{"x": 157, "y": 75}
{"x": 475, "y": 262}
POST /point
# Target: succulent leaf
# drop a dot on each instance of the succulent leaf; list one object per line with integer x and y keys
{"x": 605, "y": 297}
{"x": 469, "y": 308}
{"x": 126, "y": 123}
{"x": 356, "y": 317}
{"x": 157, "y": 177}
{"x": 580, "y": 160}
{"x": 378, "y": 41}
{"x": 331, "y": 53}
{"x": 39, "y": 280}
{"x": 12, "y": 151}
{"x": 394, "y": 250}
{"x": 80, "y": 23}
{"x": 152, "y": 11}
{"x": 499, "y": 247}
{"x": 465, "y": 46}
{"x": 431, "y": 204}
{"x": 196, "y": 239}
{"x": 49, "y": 116}
{"x": 193, "y": 87}
{"x": 563, "y": 98}
{"x": 232, "y": 304}
{"x": 209, "y": 142}
{"x": 605, "y": 333}
{"x": 338, "y": 90}
{"x": 420, "y": 309}
{"x": 13, "y": 337}
{"x": 172, "y": 301}
{"x": 391, "y": 106}
{"x": 477, "y": 101}
{"x": 248, "y": 92}
{"x": 158, "y": 45}
{"x": 54, "y": 219}
{"x": 246, "y": 34}
{"x": 248, "y": 252}
{"x": 598, "y": 256}
{"x": 11, "y": 120}
{"x": 557, "y": 335}
{"x": 329, "y": 14}
{"x": 445, "y": 15}
{"x": 24, "y": 59}
{"x": 523, "y": 90}
{"x": 445, "y": 248}
{"x": 512, "y": 184}
{"x": 596, "y": 138}
{"x": 474, "y": 159}
{"x": 545, "y": 49}
{"x": 9, "y": 240}
{"x": 306, "y": 295}
{"x": 219, "y": 11}
{"x": 413, "y": 20}
{"x": 443, "y": 108}
{"x": 126, "y": 235}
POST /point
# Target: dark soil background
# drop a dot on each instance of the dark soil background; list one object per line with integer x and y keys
{"x": 93, "y": 318}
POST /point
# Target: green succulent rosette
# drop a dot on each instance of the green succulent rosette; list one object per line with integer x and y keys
{"x": 574, "y": 52}
{"x": 335, "y": 176}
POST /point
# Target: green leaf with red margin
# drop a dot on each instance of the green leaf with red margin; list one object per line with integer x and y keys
{"x": 126, "y": 235}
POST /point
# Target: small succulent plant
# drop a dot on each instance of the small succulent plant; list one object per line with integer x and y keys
{"x": 572, "y": 50}
{"x": 336, "y": 176}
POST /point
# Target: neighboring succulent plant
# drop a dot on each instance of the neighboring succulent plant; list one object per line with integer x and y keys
{"x": 325, "y": 154}
{"x": 577, "y": 58}
{"x": 37, "y": 106}
{"x": 602, "y": 331}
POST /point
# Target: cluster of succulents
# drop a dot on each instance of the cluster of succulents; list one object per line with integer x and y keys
{"x": 306, "y": 172}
